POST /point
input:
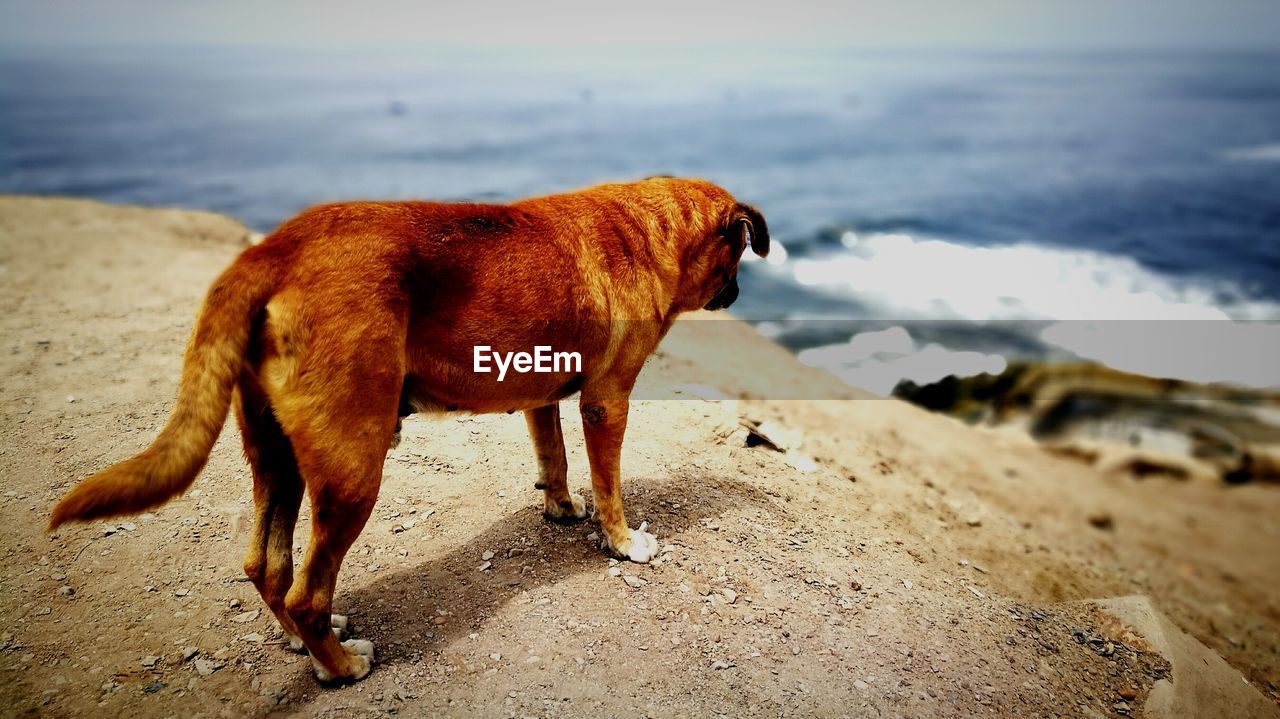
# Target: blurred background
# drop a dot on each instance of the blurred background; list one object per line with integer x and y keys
{"x": 951, "y": 186}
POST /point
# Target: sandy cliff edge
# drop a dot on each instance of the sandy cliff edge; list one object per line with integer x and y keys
{"x": 917, "y": 566}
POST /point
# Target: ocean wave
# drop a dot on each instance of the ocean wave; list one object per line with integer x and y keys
{"x": 1072, "y": 299}
{"x": 899, "y": 276}
{"x": 1257, "y": 153}
{"x": 877, "y": 361}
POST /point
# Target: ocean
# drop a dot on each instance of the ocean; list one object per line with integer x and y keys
{"x": 933, "y": 212}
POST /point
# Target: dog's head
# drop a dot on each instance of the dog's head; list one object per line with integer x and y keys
{"x": 718, "y": 230}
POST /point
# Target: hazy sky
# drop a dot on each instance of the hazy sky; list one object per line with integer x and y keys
{"x": 485, "y": 23}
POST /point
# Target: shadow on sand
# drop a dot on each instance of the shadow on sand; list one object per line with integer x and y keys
{"x": 397, "y": 611}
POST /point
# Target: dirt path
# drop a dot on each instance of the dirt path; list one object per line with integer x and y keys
{"x": 922, "y": 568}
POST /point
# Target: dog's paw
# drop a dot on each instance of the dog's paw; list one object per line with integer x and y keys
{"x": 572, "y": 510}
{"x": 359, "y": 663}
{"x": 638, "y": 546}
{"x": 339, "y": 623}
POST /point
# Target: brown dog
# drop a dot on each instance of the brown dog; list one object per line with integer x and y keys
{"x": 353, "y": 315}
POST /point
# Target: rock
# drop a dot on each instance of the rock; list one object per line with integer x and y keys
{"x": 771, "y": 435}
{"x": 633, "y": 581}
{"x": 495, "y": 656}
{"x": 486, "y": 556}
{"x": 246, "y": 617}
{"x": 254, "y": 638}
{"x": 66, "y": 591}
{"x": 150, "y": 661}
{"x": 181, "y": 592}
{"x": 189, "y": 652}
{"x": 861, "y": 685}
{"x": 154, "y": 687}
{"x": 1201, "y": 681}
{"x": 615, "y": 571}
{"x": 204, "y": 667}
{"x": 363, "y": 647}
{"x": 234, "y": 604}
{"x": 485, "y": 566}
{"x": 1102, "y": 520}
{"x": 730, "y": 596}
{"x": 721, "y": 664}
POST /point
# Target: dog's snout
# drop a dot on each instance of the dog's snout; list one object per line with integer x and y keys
{"x": 725, "y": 296}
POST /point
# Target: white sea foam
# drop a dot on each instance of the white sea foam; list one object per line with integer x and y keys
{"x": 897, "y": 276}
{"x": 877, "y": 361}
{"x": 1257, "y": 153}
{"x": 902, "y": 277}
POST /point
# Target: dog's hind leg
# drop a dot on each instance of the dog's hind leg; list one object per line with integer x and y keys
{"x": 548, "y": 443}
{"x": 339, "y": 413}
{"x": 277, "y": 495}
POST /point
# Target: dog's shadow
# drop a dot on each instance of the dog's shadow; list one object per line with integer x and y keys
{"x": 400, "y": 611}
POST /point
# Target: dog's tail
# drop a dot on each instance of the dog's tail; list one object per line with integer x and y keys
{"x": 210, "y": 368}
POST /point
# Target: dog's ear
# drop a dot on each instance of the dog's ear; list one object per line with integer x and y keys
{"x": 750, "y": 223}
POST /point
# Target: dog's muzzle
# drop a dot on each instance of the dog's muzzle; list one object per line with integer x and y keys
{"x": 724, "y": 297}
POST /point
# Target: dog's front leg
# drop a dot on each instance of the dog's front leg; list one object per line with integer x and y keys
{"x": 604, "y": 421}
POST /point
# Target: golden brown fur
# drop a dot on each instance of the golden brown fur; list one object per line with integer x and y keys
{"x": 352, "y": 315}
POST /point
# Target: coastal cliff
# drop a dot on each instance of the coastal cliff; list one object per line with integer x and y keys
{"x": 848, "y": 556}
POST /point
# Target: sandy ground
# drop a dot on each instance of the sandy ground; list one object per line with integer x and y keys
{"x": 922, "y": 568}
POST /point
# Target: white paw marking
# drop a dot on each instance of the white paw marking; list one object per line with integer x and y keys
{"x": 639, "y": 546}
{"x": 362, "y": 647}
{"x": 360, "y": 656}
{"x": 555, "y": 511}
